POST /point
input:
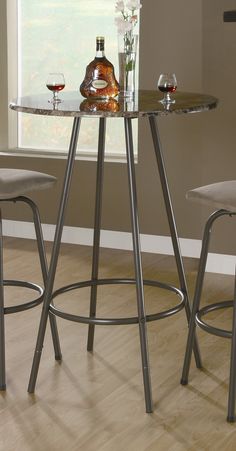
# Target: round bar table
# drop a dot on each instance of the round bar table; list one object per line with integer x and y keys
{"x": 145, "y": 103}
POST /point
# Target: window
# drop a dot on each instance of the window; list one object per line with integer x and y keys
{"x": 59, "y": 36}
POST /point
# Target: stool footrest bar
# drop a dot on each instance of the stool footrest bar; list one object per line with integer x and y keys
{"x": 211, "y": 329}
{"x": 117, "y": 321}
{"x": 26, "y": 305}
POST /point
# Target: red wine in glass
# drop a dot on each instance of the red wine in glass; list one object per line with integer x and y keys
{"x": 167, "y": 84}
{"x": 55, "y": 87}
{"x": 55, "y": 83}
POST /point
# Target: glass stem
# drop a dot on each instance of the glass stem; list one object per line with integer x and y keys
{"x": 167, "y": 99}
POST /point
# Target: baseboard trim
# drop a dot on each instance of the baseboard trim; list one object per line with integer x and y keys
{"x": 217, "y": 263}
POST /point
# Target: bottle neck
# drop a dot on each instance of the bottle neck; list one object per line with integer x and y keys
{"x": 100, "y": 54}
{"x": 100, "y": 48}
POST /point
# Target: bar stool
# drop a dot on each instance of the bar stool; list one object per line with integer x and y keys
{"x": 14, "y": 183}
{"x": 221, "y": 195}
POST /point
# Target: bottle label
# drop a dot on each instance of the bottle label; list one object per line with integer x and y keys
{"x": 99, "y": 84}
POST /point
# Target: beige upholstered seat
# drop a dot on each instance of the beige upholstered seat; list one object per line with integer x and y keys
{"x": 219, "y": 195}
{"x": 17, "y": 182}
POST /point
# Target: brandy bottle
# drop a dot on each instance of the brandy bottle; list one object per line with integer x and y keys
{"x": 100, "y": 81}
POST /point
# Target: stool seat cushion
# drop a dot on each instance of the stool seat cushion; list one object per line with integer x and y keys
{"x": 17, "y": 182}
{"x": 220, "y": 195}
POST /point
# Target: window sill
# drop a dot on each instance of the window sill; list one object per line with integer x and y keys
{"x": 62, "y": 155}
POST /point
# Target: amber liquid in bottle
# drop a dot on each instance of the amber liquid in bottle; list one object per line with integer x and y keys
{"x": 100, "y": 81}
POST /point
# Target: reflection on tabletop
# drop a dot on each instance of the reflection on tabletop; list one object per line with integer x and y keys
{"x": 112, "y": 105}
{"x": 93, "y": 105}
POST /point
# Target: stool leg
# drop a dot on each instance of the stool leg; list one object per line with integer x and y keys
{"x": 138, "y": 265}
{"x": 173, "y": 228}
{"x": 197, "y": 294}
{"x": 97, "y": 229}
{"x": 44, "y": 268}
{"x": 2, "y": 325}
{"x": 55, "y": 255}
{"x": 232, "y": 380}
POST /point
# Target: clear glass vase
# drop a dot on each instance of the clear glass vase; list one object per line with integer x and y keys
{"x": 127, "y": 45}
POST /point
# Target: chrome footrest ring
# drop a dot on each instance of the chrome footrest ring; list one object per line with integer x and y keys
{"x": 211, "y": 329}
{"x": 116, "y": 321}
{"x": 25, "y": 305}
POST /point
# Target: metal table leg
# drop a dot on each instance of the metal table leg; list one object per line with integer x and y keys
{"x": 97, "y": 228}
{"x": 138, "y": 265}
{"x": 55, "y": 254}
{"x": 2, "y": 322}
{"x": 173, "y": 228}
{"x": 232, "y": 379}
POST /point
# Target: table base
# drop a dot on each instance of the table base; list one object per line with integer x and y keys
{"x": 141, "y": 318}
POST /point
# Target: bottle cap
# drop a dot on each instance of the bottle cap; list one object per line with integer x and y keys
{"x": 100, "y": 41}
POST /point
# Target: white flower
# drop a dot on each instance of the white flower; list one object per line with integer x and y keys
{"x": 123, "y": 25}
{"x": 134, "y": 19}
{"x": 133, "y": 4}
{"x": 120, "y": 6}
{"x": 127, "y": 20}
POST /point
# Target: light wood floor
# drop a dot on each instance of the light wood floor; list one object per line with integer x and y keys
{"x": 95, "y": 402}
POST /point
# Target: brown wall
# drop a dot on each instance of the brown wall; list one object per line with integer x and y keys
{"x": 189, "y": 38}
{"x": 219, "y": 72}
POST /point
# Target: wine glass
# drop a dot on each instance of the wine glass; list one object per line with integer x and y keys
{"x": 55, "y": 83}
{"x": 167, "y": 84}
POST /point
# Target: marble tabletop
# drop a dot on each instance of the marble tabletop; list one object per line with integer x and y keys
{"x": 145, "y": 103}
